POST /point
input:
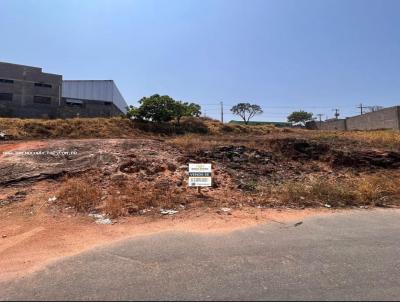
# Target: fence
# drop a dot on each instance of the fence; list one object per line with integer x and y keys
{"x": 388, "y": 118}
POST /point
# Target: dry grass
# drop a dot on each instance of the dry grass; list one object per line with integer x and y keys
{"x": 217, "y": 128}
{"x": 194, "y": 143}
{"x": 132, "y": 197}
{"x": 118, "y": 127}
{"x": 115, "y": 207}
{"x": 368, "y": 190}
{"x": 379, "y": 188}
{"x": 79, "y": 194}
{"x": 388, "y": 139}
{"x": 69, "y": 128}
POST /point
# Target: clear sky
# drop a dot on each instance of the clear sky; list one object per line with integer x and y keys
{"x": 284, "y": 55}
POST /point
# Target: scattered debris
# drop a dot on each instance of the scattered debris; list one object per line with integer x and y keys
{"x": 277, "y": 221}
{"x": 382, "y": 205}
{"x": 296, "y": 148}
{"x": 236, "y": 156}
{"x": 52, "y": 199}
{"x": 327, "y": 205}
{"x": 144, "y": 211}
{"x": 4, "y": 136}
{"x": 101, "y": 218}
{"x": 104, "y": 221}
{"x": 226, "y": 209}
{"x": 17, "y": 197}
{"x": 168, "y": 212}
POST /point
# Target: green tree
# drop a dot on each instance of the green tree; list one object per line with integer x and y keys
{"x": 193, "y": 110}
{"x": 246, "y": 111}
{"x": 155, "y": 108}
{"x": 300, "y": 117}
{"x": 158, "y": 108}
{"x": 180, "y": 111}
{"x": 132, "y": 112}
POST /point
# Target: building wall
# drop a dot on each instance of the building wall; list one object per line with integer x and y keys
{"x": 96, "y": 90}
{"x": 387, "y": 118}
{"x": 26, "y": 84}
{"x": 26, "y": 91}
{"x": 339, "y": 124}
{"x": 71, "y": 108}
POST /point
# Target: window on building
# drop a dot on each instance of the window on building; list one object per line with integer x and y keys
{"x": 6, "y": 81}
{"x": 74, "y": 103}
{"x": 6, "y": 96}
{"x": 43, "y": 85}
{"x": 42, "y": 99}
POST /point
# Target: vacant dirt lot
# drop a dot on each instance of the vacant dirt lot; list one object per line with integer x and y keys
{"x": 55, "y": 194}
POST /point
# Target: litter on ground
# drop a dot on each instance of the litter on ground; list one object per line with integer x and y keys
{"x": 101, "y": 218}
{"x": 168, "y": 212}
{"x": 52, "y": 199}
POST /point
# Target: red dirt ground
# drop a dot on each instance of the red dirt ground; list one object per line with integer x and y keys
{"x": 31, "y": 235}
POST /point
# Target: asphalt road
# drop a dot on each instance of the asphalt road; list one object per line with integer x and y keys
{"x": 352, "y": 256}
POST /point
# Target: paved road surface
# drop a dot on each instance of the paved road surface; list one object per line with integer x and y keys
{"x": 348, "y": 256}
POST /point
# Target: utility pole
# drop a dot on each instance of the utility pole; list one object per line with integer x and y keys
{"x": 336, "y": 113}
{"x": 361, "y": 108}
{"x": 320, "y": 120}
{"x": 222, "y": 112}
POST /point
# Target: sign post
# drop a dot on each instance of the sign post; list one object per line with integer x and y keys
{"x": 200, "y": 176}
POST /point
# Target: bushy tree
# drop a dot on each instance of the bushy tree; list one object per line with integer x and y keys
{"x": 246, "y": 111}
{"x": 300, "y": 117}
{"x": 132, "y": 112}
{"x": 185, "y": 109}
{"x": 193, "y": 110}
{"x": 158, "y": 108}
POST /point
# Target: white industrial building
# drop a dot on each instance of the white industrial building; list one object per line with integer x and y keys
{"x": 96, "y": 94}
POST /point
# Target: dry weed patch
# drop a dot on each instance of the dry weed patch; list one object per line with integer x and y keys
{"x": 80, "y": 194}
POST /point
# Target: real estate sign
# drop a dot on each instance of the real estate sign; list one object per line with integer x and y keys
{"x": 199, "y": 175}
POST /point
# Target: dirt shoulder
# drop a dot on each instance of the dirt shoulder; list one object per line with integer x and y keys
{"x": 31, "y": 236}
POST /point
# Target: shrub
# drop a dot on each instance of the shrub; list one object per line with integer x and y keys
{"x": 80, "y": 194}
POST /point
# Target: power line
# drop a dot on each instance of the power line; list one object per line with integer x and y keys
{"x": 279, "y": 107}
{"x": 361, "y": 107}
{"x": 336, "y": 113}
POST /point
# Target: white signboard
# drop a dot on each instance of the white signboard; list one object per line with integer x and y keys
{"x": 199, "y": 175}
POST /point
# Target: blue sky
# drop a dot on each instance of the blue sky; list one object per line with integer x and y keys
{"x": 284, "y": 55}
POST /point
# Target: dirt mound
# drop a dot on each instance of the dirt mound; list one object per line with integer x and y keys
{"x": 299, "y": 148}
{"x": 140, "y": 174}
{"x": 58, "y": 157}
{"x": 116, "y": 127}
{"x": 237, "y": 156}
{"x": 366, "y": 159}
